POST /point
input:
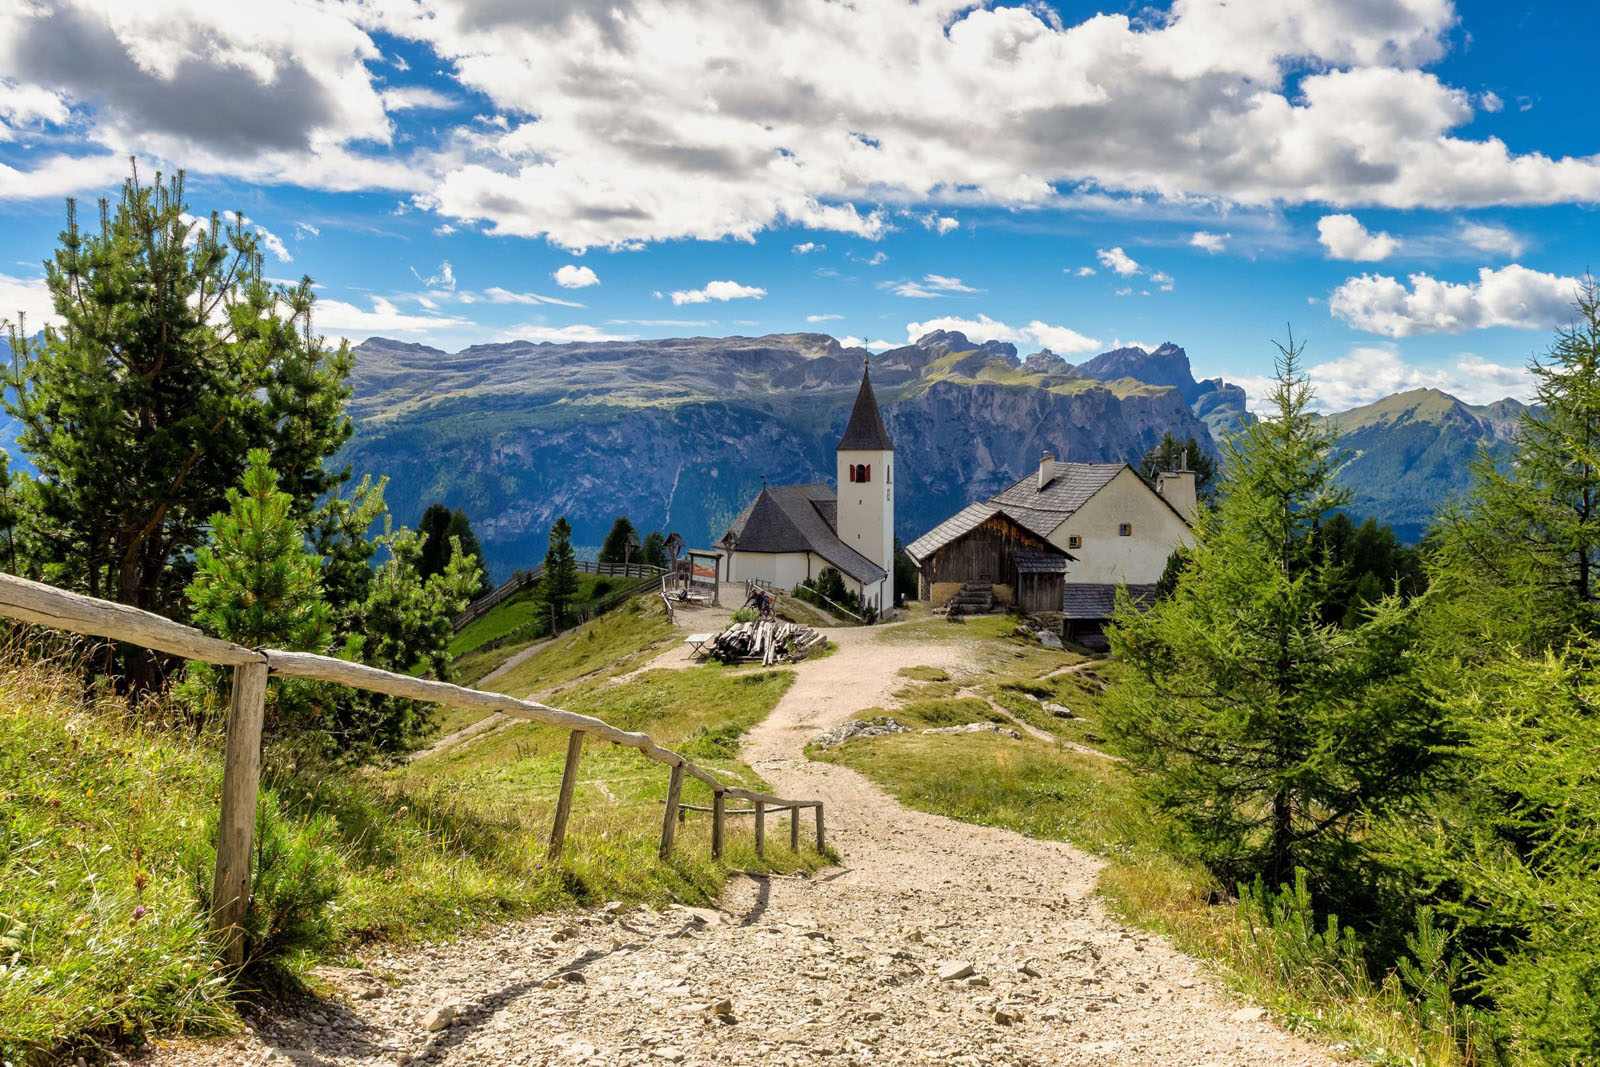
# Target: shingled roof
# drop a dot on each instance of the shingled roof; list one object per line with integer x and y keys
{"x": 970, "y": 518}
{"x": 865, "y": 432}
{"x": 1070, "y": 489}
{"x": 1085, "y": 601}
{"x": 798, "y": 518}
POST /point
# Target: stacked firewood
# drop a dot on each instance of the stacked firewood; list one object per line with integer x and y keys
{"x": 768, "y": 641}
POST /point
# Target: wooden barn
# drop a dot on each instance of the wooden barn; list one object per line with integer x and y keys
{"x": 982, "y": 552}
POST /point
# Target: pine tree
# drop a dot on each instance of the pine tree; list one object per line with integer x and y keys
{"x": 620, "y": 540}
{"x": 176, "y": 358}
{"x": 559, "y": 585}
{"x": 654, "y": 552}
{"x": 1264, "y": 732}
{"x": 1173, "y": 454}
{"x": 257, "y": 583}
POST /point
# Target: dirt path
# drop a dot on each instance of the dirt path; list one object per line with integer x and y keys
{"x": 842, "y": 968}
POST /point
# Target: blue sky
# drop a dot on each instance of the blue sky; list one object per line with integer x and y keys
{"x": 1409, "y": 184}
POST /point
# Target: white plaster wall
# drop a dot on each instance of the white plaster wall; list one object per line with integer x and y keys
{"x": 866, "y": 511}
{"x": 1106, "y": 557}
{"x": 785, "y": 569}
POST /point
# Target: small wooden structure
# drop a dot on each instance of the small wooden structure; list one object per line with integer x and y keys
{"x": 983, "y": 544}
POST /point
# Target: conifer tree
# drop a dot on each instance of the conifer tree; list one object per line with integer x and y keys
{"x": 559, "y": 585}
{"x": 1511, "y": 850}
{"x": 257, "y": 583}
{"x": 654, "y": 552}
{"x": 1173, "y": 453}
{"x": 442, "y": 530}
{"x": 620, "y": 539}
{"x": 1266, "y": 733}
{"x": 175, "y": 358}
{"x": 1518, "y": 561}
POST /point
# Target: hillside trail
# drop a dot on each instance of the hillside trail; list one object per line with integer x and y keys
{"x": 865, "y": 963}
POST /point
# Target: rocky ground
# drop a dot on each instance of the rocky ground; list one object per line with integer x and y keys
{"x": 934, "y": 942}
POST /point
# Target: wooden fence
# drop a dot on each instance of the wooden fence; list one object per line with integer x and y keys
{"x": 523, "y": 579}
{"x": 45, "y": 605}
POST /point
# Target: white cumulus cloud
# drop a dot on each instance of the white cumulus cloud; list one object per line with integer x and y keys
{"x": 1369, "y": 373}
{"x": 1345, "y": 238}
{"x": 1510, "y": 296}
{"x": 573, "y": 276}
{"x": 983, "y": 328}
{"x": 1209, "y": 242}
{"x": 718, "y": 291}
{"x": 1116, "y": 259}
{"x": 1493, "y": 238}
{"x": 28, "y": 298}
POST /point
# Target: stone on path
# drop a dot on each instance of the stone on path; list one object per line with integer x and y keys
{"x": 955, "y": 971}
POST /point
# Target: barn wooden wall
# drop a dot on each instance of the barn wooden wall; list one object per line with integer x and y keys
{"x": 984, "y": 554}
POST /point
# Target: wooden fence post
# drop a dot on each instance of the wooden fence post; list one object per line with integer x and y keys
{"x": 821, "y": 843}
{"x": 669, "y": 821}
{"x": 718, "y": 818}
{"x": 241, "y": 779}
{"x": 761, "y": 828}
{"x": 569, "y": 782}
{"x": 794, "y": 828}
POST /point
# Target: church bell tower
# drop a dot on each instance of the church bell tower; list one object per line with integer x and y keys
{"x": 866, "y": 489}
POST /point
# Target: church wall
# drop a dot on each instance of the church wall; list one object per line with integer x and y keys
{"x": 784, "y": 569}
{"x": 866, "y": 509}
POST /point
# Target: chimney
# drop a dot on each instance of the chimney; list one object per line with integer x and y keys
{"x": 1177, "y": 487}
{"x": 1047, "y": 469}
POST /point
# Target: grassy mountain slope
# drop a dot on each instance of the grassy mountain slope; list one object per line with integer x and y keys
{"x": 1412, "y": 451}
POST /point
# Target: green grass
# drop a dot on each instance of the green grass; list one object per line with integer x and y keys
{"x": 95, "y": 823}
{"x": 99, "y": 817}
{"x": 616, "y": 642}
{"x": 1080, "y": 692}
{"x": 1028, "y": 786}
{"x": 924, "y": 674}
{"x": 519, "y": 615}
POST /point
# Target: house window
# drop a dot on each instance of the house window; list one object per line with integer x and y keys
{"x": 1125, "y": 530}
{"x": 1074, "y": 541}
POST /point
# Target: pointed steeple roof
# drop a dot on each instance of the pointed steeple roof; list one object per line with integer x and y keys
{"x": 865, "y": 432}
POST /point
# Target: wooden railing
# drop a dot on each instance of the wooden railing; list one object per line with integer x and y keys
{"x": 45, "y": 605}
{"x": 523, "y": 579}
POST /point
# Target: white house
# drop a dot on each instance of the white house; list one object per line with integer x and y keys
{"x": 792, "y": 532}
{"x": 1113, "y": 528}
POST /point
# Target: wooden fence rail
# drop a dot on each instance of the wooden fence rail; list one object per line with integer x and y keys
{"x": 45, "y": 605}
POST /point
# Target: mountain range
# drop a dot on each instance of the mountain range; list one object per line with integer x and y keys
{"x": 679, "y": 433}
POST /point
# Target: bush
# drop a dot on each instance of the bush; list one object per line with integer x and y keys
{"x": 746, "y": 615}
{"x": 294, "y": 882}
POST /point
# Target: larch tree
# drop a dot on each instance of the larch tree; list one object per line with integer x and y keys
{"x": 1267, "y": 734}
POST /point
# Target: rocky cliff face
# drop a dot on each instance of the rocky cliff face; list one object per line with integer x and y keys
{"x": 679, "y": 434}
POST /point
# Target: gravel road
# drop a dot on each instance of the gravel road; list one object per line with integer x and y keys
{"x": 935, "y": 942}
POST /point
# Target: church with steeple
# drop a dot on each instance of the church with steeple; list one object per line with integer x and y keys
{"x": 792, "y": 532}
